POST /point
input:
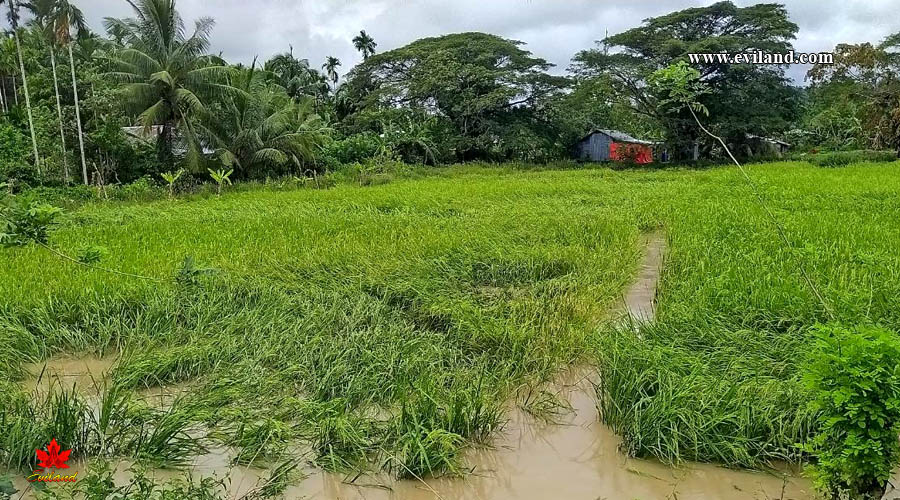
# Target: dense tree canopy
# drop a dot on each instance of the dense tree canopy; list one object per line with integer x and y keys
{"x": 858, "y": 97}
{"x": 479, "y": 83}
{"x": 168, "y": 76}
{"x": 740, "y": 102}
{"x": 456, "y": 97}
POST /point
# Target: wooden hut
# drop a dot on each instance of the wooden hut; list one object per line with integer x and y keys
{"x": 612, "y": 145}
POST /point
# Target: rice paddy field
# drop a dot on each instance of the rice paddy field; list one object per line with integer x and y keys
{"x": 391, "y": 327}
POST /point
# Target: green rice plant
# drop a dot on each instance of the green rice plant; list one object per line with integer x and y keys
{"x": 164, "y": 438}
{"x": 390, "y": 326}
{"x": 844, "y": 158}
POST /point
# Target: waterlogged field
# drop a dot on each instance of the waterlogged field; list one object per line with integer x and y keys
{"x": 389, "y": 327}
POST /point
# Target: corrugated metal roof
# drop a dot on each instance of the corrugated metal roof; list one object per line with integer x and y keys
{"x": 618, "y": 136}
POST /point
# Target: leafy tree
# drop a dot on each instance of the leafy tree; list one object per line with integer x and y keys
{"x": 297, "y": 78}
{"x": 168, "y": 77}
{"x": 473, "y": 81}
{"x": 863, "y": 87}
{"x": 365, "y": 44}
{"x": 741, "y": 97}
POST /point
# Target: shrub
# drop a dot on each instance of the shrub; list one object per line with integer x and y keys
{"x": 143, "y": 189}
{"x": 353, "y": 149}
{"x": 855, "y": 376}
{"x": 842, "y": 158}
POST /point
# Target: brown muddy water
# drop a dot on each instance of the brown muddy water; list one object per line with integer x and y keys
{"x": 575, "y": 457}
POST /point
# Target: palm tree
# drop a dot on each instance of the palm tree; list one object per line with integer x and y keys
{"x": 42, "y": 10}
{"x": 264, "y": 131}
{"x": 13, "y": 18}
{"x": 290, "y": 73}
{"x": 167, "y": 75}
{"x": 54, "y": 18}
{"x": 9, "y": 66}
{"x": 331, "y": 65}
{"x": 365, "y": 44}
{"x": 65, "y": 17}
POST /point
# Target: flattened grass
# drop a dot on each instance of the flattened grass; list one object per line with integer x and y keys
{"x": 382, "y": 326}
{"x": 388, "y": 326}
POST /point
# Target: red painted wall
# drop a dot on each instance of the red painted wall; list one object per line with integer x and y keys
{"x": 624, "y": 151}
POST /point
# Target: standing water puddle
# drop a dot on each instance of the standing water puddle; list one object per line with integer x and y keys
{"x": 574, "y": 458}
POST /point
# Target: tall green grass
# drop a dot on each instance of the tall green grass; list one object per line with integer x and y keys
{"x": 718, "y": 377}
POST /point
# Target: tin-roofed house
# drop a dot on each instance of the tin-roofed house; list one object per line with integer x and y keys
{"x": 612, "y": 145}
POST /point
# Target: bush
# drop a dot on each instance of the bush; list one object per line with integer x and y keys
{"x": 855, "y": 376}
{"x": 354, "y": 149}
{"x": 842, "y": 158}
{"x": 143, "y": 189}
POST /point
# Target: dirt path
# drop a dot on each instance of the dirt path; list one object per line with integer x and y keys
{"x": 640, "y": 299}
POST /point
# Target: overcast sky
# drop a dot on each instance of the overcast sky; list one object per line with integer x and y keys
{"x": 553, "y": 29}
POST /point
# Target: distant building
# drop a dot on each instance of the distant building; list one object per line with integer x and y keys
{"x": 766, "y": 146}
{"x": 149, "y": 135}
{"x": 612, "y": 145}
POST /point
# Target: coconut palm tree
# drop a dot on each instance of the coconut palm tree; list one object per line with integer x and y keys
{"x": 55, "y": 18}
{"x": 13, "y": 17}
{"x": 290, "y": 73}
{"x": 331, "y": 65}
{"x": 9, "y": 66}
{"x": 42, "y": 10}
{"x": 65, "y": 17}
{"x": 168, "y": 76}
{"x": 264, "y": 131}
{"x": 365, "y": 44}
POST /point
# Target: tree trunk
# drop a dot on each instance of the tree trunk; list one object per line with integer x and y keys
{"x": 2, "y": 91}
{"x": 62, "y": 134}
{"x": 37, "y": 159}
{"x": 78, "y": 117}
{"x": 15, "y": 90}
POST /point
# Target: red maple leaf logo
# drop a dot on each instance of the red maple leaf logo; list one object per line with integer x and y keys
{"x": 53, "y": 457}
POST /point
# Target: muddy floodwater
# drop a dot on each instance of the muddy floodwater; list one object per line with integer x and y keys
{"x": 85, "y": 373}
{"x": 576, "y": 457}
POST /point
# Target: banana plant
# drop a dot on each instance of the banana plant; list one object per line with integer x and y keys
{"x": 221, "y": 177}
{"x": 172, "y": 178}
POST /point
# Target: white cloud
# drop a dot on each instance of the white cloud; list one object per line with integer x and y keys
{"x": 553, "y": 29}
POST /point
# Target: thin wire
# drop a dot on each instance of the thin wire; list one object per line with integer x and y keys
{"x": 772, "y": 217}
{"x": 97, "y": 268}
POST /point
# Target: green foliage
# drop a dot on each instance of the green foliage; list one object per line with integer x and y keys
{"x": 861, "y": 84}
{"x": 101, "y": 482}
{"x": 483, "y": 85}
{"x": 221, "y": 177}
{"x": 91, "y": 255}
{"x": 354, "y": 149}
{"x": 24, "y": 221}
{"x": 678, "y": 86}
{"x": 263, "y": 132}
{"x": 855, "y": 378}
{"x": 844, "y": 158}
{"x": 171, "y": 178}
{"x": 741, "y": 97}
{"x": 14, "y": 163}
{"x": 168, "y": 78}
